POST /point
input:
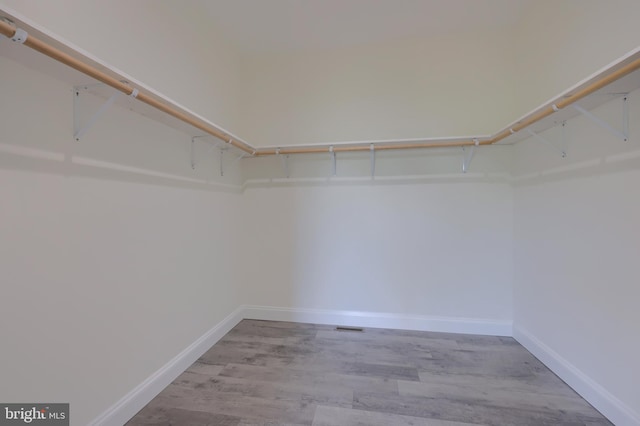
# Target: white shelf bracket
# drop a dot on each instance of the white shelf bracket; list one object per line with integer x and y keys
{"x": 221, "y": 162}
{"x": 238, "y": 158}
{"x": 285, "y": 162}
{"x": 332, "y": 156}
{"x": 467, "y": 158}
{"x": 194, "y": 139}
{"x": 545, "y": 141}
{"x": 285, "y": 165}
{"x": 19, "y": 36}
{"x": 621, "y": 134}
{"x": 625, "y": 116}
{"x": 193, "y": 154}
{"x": 372, "y": 151}
{"x": 80, "y": 129}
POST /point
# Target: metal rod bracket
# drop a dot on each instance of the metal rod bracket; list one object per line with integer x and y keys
{"x": 467, "y": 158}
{"x": 194, "y": 139}
{"x": 221, "y": 162}
{"x": 372, "y": 150}
{"x": 544, "y": 140}
{"x": 621, "y": 134}
{"x": 80, "y": 129}
{"x": 285, "y": 165}
{"x": 20, "y": 36}
{"x": 332, "y": 155}
{"x": 285, "y": 162}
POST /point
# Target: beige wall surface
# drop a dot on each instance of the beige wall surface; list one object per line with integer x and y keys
{"x": 559, "y": 43}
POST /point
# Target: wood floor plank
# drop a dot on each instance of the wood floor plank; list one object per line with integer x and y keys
{"x": 163, "y": 416}
{"x": 469, "y": 410}
{"x": 332, "y": 416}
{"x": 546, "y": 384}
{"x": 384, "y": 371}
{"x": 327, "y": 394}
{"x": 379, "y": 338}
{"x": 313, "y": 377}
{"x": 487, "y": 395}
{"x": 207, "y": 369}
{"x": 511, "y": 364}
{"x": 241, "y": 407}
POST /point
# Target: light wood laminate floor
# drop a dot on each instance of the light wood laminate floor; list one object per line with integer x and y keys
{"x": 280, "y": 373}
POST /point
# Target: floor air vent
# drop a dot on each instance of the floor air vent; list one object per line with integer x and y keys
{"x": 344, "y": 328}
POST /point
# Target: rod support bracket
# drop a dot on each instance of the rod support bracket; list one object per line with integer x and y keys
{"x": 466, "y": 159}
{"x": 332, "y": 155}
{"x": 79, "y": 128}
{"x": 221, "y": 162}
{"x": 372, "y": 150}
{"x": 20, "y": 36}
{"x": 194, "y": 139}
{"x": 285, "y": 164}
{"x": 622, "y": 134}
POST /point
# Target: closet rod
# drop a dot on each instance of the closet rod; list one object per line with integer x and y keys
{"x": 562, "y": 102}
{"x": 54, "y": 53}
{"x": 353, "y": 148}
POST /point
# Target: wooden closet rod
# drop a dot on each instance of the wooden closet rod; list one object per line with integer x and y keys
{"x": 8, "y": 30}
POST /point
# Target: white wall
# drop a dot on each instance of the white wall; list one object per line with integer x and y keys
{"x": 437, "y": 249}
{"x": 576, "y": 252}
{"x": 168, "y": 46}
{"x": 559, "y": 43}
{"x": 409, "y": 88}
{"x": 115, "y": 254}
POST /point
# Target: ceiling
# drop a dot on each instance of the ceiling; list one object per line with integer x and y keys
{"x": 278, "y": 26}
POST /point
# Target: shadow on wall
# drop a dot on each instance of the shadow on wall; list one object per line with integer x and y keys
{"x": 14, "y": 158}
{"x": 597, "y": 167}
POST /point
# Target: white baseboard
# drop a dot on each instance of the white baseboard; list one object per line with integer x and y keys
{"x": 380, "y": 320}
{"x": 610, "y": 406}
{"x": 123, "y": 410}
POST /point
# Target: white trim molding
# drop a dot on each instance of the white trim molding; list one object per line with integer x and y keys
{"x": 127, "y": 407}
{"x": 381, "y": 320}
{"x": 611, "y": 407}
